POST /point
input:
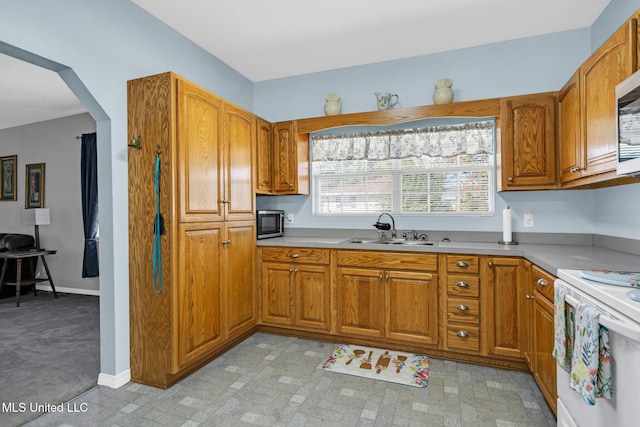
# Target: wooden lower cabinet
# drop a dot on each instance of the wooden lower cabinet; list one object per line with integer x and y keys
{"x": 502, "y": 305}
{"x": 543, "y": 364}
{"x": 240, "y": 304}
{"x": 199, "y": 290}
{"x": 397, "y": 304}
{"x": 462, "y": 282}
{"x": 296, "y": 289}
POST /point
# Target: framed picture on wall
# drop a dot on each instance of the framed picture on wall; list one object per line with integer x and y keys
{"x": 34, "y": 186}
{"x": 9, "y": 182}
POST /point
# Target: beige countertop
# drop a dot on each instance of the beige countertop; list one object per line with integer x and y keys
{"x": 550, "y": 257}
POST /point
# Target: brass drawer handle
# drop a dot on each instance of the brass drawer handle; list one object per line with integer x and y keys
{"x": 463, "y": 307}
{"x": 542, "y": 282}
{"x": 295, "y": 255}
{"x": 463, "y": 334}
{"x": 462, "y": 284}
{"x": 462, "y": 264}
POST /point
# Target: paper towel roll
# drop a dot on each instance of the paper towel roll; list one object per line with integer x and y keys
{"x": 506, "y": 225}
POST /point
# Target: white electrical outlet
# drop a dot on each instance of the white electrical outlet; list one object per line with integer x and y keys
{"x": 528, "y": 220}
{"x": 290, "y": 218}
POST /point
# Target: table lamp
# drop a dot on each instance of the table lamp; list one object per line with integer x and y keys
{"x": 36, "y": 217}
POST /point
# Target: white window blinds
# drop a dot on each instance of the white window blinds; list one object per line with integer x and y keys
{"x": 436, "y": 170}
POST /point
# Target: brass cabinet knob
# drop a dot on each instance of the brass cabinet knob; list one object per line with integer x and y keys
{"x": 510, "y": 179}
{"x": 529, "y": 297}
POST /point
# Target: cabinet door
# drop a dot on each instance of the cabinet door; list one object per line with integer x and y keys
{"x": 276, "y": 288}
{"x": 360, "y": 300}
{"x": 312, "y": 291}
{"x": 503, "y": 305}
{"x": 528, "y": 142}
{"x": 199, "y": 124}
{"x": 544, "y": 369}
{"x": 239, "y": 255}
{"x": 614, "y": 61}
{"x": 199, "y": 290}
{"x": 412, "y": 308}
{"x": 526, "y": 316}
{"x": 284, "y": 158}
{"x": 569, "y": 141}
{"x": 238, "y": 149}
{"x": 264, "y": 169}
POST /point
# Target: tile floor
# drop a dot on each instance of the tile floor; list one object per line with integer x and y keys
{"x": 271, "y": 380}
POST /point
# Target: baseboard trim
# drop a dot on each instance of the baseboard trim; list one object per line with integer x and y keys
{"x": 115, "y": 381}
{"x": 47, "y": 288}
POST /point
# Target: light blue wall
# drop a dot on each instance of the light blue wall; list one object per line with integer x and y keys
{"x": 104, "y": 44}
{"x": 530, "y": 65}
{"x": 535, "y": 64}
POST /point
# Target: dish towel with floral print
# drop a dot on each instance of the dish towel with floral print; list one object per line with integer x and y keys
{"x": 563, "y": 329}
{"x": 590, "y": 373}
{"x": 386, "y": 365}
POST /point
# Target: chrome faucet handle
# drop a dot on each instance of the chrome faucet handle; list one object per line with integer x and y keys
{"x": 382, "y": 235}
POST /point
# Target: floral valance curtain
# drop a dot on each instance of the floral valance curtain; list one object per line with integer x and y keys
{"x": 434, "y": 141}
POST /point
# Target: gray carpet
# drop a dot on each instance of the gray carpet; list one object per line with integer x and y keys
{"x": 49, "y": 352}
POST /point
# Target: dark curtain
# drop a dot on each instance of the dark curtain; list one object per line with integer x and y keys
{"x": 89, "y": 171}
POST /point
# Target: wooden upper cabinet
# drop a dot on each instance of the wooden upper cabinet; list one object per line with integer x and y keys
{"x": 238, "y": 149}
{"x": 571, "y": 150}
{"x": 614, "y": 61}
{"x": 199, "y": 122}
{"x": 528, "y": 142}
{"x": 264, "y": 161}
{"x": 290, "y": 159}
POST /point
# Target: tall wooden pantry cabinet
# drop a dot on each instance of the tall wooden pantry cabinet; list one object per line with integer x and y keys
{"x": 207, "y": 301}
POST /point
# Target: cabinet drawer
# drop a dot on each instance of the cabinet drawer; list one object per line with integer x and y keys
{"x": 463, "y": 337}
{"x": 463, "y": 285}
{"x": 303, "y": 255}
{"x": 542, "y": 282}
{"x": 462, "y": 264}
{"x": 463, "y": 310}
{"x": 389, "y": 260}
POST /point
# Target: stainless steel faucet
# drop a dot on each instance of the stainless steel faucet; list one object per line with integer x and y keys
{"x": 385, "y": 226}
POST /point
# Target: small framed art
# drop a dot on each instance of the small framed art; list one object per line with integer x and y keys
{"x": 34, "y": 186}
{"x": 8, "y": 184}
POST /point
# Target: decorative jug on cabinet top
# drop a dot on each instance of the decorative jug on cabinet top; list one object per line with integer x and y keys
{"x": 443, "y": 93}
{"x": 386, "y": 100}
{"x": 332, "y": 107}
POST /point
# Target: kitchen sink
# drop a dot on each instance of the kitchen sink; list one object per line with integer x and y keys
{"x": 391, "y": 242}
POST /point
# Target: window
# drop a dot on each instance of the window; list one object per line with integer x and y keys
{"x": 437, "y": 170}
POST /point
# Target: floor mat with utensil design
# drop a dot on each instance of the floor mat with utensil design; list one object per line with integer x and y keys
{"x": 386, "y": 365}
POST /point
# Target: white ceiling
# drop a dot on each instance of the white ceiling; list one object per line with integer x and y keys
{"x": 265, "y": 40}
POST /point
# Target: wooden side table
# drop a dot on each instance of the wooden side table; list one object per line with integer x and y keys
{"x": 30, "y": 255}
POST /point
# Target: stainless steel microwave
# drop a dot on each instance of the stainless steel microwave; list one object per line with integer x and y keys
{"x": 628, "y": 126}
{"x": 270, "y": 223}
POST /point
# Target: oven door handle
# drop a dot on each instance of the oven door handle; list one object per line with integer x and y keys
{"x": 626, "y": 329}
{"x": 622, "y": 328}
